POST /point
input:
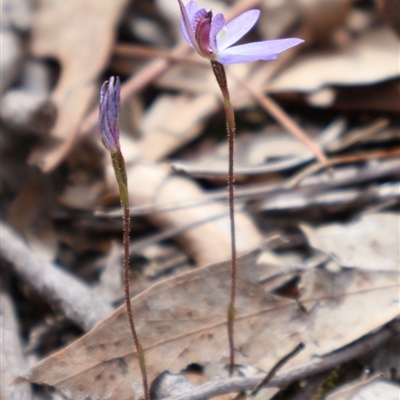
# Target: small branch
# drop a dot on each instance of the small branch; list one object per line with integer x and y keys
{"x": 12, "y": 360}
{"x": 276, "y": 368}
{"x": 133, "y": 50}
{"x": 172, "y": 232}
{"x": 314, "y": 366}
{"x": 351, "y": 158}
{"x": 77, "y": 301}
{"x": 284, "y": 119}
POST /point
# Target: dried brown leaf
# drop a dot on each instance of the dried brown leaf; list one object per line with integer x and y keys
{"x": 371, "y": 242}
{"x": 369, "y": 59}
{"x": 173, "y": 121}
{"x": 269, "y": 151}
{"x": 28, "y": 215}
{"x": 319, "y": 18}
{"x": 79, "y": 34}
{"x": 183, "y": 320}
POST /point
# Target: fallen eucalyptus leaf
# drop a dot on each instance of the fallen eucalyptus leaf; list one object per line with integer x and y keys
{"x": 182, "y": 320}
{"x": 79, "y": 34}
{"x": 371, "y": 242}
{"x": 370, "y": 59}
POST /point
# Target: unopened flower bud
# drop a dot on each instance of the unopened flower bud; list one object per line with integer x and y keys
{"x": 109, "y": 114}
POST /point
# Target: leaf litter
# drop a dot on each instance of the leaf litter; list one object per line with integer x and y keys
{"x": 371, "y": 242}
{"x": 182, "y": 321}
{"x": 59, "y": 29}
{"x": 371, "y": 389}
{"x": 330, "y": 274}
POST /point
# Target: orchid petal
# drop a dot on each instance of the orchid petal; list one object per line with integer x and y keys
{"x": 236, "y": 57}
{"x": 186, "y": 26}
{"x": 237, "y": 28}
{"x": 217, "y": 25}
{"x": 266, "y": 50}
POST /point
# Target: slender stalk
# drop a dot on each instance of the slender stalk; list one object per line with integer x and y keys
{"x": 220, "y": 75}
{"x": 276, "y": 367}
{"x": 120, "y": 174}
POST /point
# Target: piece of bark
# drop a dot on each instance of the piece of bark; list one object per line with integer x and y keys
{"x": 61, "y": 289}
{"x": 12, "y": 360}
{"x": 207, "y": 243}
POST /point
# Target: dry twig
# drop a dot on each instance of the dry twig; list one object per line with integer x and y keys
{"x": 12, "y": 360}
{"x": 314, "y": 366}
{"x": 352, "y": 158}
{"x": 283, "y": 118}
{"x": 68, "y": 293}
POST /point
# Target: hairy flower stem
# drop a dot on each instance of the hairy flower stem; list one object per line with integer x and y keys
{"x": 220, "y": 75}
{"x": 120, "y": 174}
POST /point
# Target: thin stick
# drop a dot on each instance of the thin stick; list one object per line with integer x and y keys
{"x": 313, "y": 366}
{"x": 297, "y": 179}
{"x": 284, "y": 119}
{"x": 63, "y": 290}
{"x": 220, "y": 75}
{"x": 144, "y": 52}
{"x": 277, "y": 367}
{"x": 11, "y": 353}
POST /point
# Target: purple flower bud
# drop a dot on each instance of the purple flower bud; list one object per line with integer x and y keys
{"x": 212, "y": 39}
{"x": 109, "y": 114}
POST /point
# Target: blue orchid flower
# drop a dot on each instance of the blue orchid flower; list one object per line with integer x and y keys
{"x": 212, "y": 39}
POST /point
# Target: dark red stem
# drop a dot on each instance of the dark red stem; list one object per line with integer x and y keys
{"x": 120, "y": 172}
{"x": 220, "y": 75}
